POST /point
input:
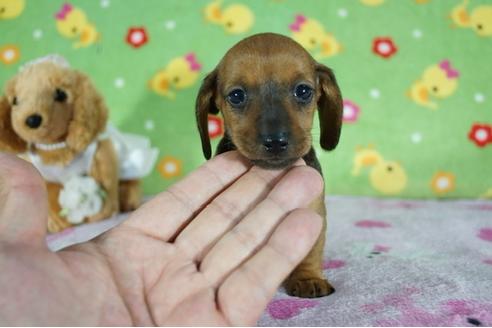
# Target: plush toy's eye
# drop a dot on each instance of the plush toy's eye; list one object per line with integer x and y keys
{"x": 303, "y": 93}
{"x": 236, "y": 97}
{"x": 14, "y": 101}
{"x": 60, "y": 95}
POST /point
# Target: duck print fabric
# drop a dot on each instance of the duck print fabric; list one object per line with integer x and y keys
{"x": 414, "y": 74}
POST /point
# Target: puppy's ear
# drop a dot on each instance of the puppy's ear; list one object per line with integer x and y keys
{"x": 90, "y": 114}
{"x": 330, "y": 108}
{"x": 205, "y": 104}
{"x": 9, "y": 140}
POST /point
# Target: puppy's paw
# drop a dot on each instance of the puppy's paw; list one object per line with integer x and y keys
{"x": 309, "y": 288}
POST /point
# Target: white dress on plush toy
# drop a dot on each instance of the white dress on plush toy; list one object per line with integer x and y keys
{"x": 78, "y": 198}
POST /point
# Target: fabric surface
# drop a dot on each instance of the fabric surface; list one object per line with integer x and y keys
{"x": 415, "y": 76}
{"x": 392, "y": 262}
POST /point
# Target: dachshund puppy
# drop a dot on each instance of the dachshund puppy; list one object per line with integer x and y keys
{"x": 267, "y": 88}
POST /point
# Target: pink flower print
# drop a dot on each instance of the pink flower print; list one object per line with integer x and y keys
{"x": 333, "y": 264}
{"x": 381, "y": 248}
{"x": 372, "y": 224}
{"x": 485, "y": 234}
{"x": 289, "y": 307}
{"x": 350, "y": 111}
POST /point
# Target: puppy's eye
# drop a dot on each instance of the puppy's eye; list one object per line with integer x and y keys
{"x": 60, "y": 95}
{"x": 303, "y": 93}
{"x": 236, "y": 97}
{"x": 14, "y": 101}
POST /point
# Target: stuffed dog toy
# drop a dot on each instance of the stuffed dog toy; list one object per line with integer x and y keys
{"x": 55, "y": 117}
{"x": 267, "y": 88}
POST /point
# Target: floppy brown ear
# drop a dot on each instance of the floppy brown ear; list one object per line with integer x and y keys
{"x": 330, "y": 108}
{"x": 205, "y": 104}
{"x": 90, "y": 114}
{"x": 9, "y": 140}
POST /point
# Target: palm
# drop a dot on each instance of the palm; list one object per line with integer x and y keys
{"x": 173, "y": 262}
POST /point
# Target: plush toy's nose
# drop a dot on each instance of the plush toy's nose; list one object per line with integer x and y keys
{"x": 34, "y": 121}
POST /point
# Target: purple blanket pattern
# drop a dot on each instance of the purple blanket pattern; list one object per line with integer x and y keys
{"x": 400, "y": 263}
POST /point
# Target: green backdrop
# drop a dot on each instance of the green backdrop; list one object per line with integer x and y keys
{"x": 390, "y": 57}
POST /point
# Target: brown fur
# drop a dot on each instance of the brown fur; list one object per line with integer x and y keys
{"x": 78, "y": 121}
{"x": 269, "y": 67}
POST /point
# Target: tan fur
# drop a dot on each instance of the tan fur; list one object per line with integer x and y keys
{"x": 130, "y": 195}
{"x": 78, "y": 121}
{"x": 307, "y": 279}
{"x": 269, "y": 67}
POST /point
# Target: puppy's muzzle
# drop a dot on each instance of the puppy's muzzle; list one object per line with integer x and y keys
{"x": 34, "y": 121}
{"x": 275, "y": 144}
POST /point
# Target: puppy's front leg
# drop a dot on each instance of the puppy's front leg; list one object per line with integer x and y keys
{"x": 105, "y": 172}
{"x": 307, "y": 279}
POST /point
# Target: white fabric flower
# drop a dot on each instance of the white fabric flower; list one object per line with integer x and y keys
{"x": 80, "y": 197}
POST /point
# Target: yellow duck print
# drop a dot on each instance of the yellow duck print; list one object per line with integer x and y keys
{"x": 438, "y": 81}
{"x": 480, "y": 19}
{"x": 11, "y": 8}
{"x": 312, "y": 36}
{"x": 372, "y": 2}
{"x": 387, "y": 177}
{"x": 72, "y": 23}
{"x": 235, "y": 19}
{"x": 180, "y": 73}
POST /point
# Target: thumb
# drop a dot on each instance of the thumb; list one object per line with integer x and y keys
{"x": 23, "y": 202}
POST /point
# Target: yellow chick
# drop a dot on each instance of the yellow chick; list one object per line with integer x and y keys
{"x": 365, "y": 157}
{"x": 180, "y": 73}
{"x": 487, "y": 194}
{"x": 459, "y": 15}
{"x": 72, "y": 22}
{"x": 372, "y": 2}
{"x": 438, "y": 81}
{"x": 480, "y": 19}
{"x": 388, "y": 177}
{"x": 235, "y": 19}
{"x": 311, "y": 35}
{"x": 11, "y": 8}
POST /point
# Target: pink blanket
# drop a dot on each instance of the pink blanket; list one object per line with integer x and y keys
{"x": 392, "y": 262}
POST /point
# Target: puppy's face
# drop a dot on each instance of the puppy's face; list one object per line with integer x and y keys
{"x": 41, "y": 103}
{"x": 268, "y": 88}
{"x": 268, "y": 101}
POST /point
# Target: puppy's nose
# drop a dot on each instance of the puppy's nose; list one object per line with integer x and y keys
{"x": 275, "y": 143}
{"x": 34, "y": 121}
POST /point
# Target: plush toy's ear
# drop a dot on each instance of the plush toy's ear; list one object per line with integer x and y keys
{"x": 205, "y": 104}
{"x": 330, "y": 108}
{"x": 90, "y": 114}
{"x": 9, "y": 140}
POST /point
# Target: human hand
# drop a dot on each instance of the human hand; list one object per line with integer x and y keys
{"x": 211, "y": 250}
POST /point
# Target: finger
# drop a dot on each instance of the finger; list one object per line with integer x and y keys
{"x": 226, "y": 210}
{"x": 166, "y": 213}
{"x": 297, "y": 189}
{"x": 254, "y": 283}
{"x": 23, "y": 202}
